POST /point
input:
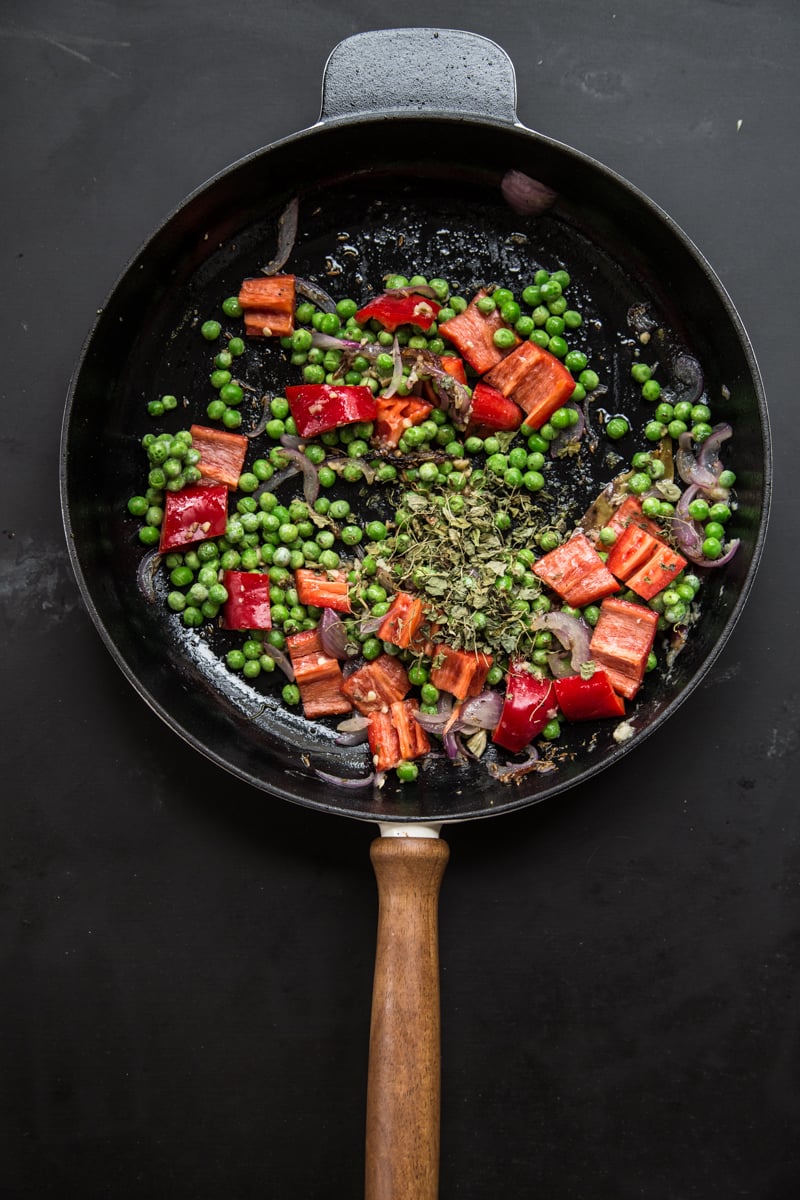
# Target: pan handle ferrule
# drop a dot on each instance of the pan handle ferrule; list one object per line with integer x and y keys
{"x": 400, "y": 829}
{"x": 393, "y": 72}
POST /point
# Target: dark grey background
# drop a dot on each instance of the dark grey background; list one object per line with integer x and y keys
{"x": 187, "y": 964}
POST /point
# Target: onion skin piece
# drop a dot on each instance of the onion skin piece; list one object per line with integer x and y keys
{"x": 525, "y": 195}
{"x": 341, "y": 781}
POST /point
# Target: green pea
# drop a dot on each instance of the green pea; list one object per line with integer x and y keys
{"x": 211, "y": 330}
{"x": 236, "y": 346}
{"x": 651, "y": 390}
{"x": 617, "y": 428}
{"x": 504, "y": 338}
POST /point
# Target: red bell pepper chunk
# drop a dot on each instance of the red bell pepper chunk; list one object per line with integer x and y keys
{"x": 632, "y": 549}
{"x": 320, "y": 407}
{"x": 529, "y": 704}
{"x": 491, "y": 411}
{"x": 394, "y": 415}
{"x": 472, "y": 333}
{"x": 222, "y": 454}
{"x": 403, "y": 621}
{"x": 377, "y": 685}
{"x": 323, "y": 589}
{"x": 247, "y": 606}
{"x": 317, "y": 675}
{"x": 657, "y": 573}
{"x": 535, "y": 380}
{"x": 393, "y": 311}
{"x": 630, "y": 513}
{"x": 621, "y": 643}
{"x": 268, "y": 303}
{"x": 589, "y": 699}
{"x": 462, "y": 673}
{"x": 193, "y": 514}
{"x": 396, "y": 736}
{"x": 577, "y": 572}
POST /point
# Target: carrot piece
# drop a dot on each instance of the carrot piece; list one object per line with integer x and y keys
{"x": 657, "y": 573}
{"x": 323, "y": 589}
{"x": 268, "y": 304}
{"x": 535, "y": 380}
{"x": 396, "y": 414}
{"x": 403, "y": 621}
{"x": 472, "y": 333}
{"x": 377, "y": 685}
{"x": 462, "y": 673}
{"x": 621, "y": 642}
{"x": 222, "y": 454}
{"x": 576, "y": 572}
{"x": 396, "y": 736}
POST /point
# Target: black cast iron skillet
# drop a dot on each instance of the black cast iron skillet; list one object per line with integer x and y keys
{"x": 401, "y": 177}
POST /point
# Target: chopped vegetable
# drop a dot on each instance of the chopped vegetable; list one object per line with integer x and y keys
{"x": 377, "y": 685}
{"x": 393, "y": 311}
{"x": 530, "y": 702}
{"x": 222, "y": 454}
{"x": 268, "y": 304}
{"x": 396, "y": 736}
{"x": 535, "y": 380}
{"x": 592, "y": 699}
{"x": 472, "y": 333}
{"x": 577, "y": 572}
{"x": 193, "y": 514}
{"x": 462, "y": 673}
{"x": 491, "y": 411}
{"x": 319, "y": 407}
{"x": 317, "y": 675}
{"x": 644, "y": 562}
{"x": 395, "y": 414}
{"x": 247, "y": 605}
{"x": 621, "y": 643}
{"x": 403, "y": 621}
{"x": 323, "y": 589}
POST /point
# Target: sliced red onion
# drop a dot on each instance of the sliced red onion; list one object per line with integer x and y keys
{"x": 525, "y": 195}
{"x": 559, "y": 665}
{"x": 287, "y": 235}
{"x": 513, "y": 772}
{"x": 397, "y": 369}
{"x": 370, "y": 624}
{"x": 353, "y": 724}
{"x": 333, "y": 634}
{"x": 309, "y": 472}
{"x": 573, "y": 633}
{"x": 338, "y": 463}
{"x": 313, "y": 292}
{"x": 352, "y": 737}
{"x": 261, "y": 423}
{"x": 281, "y": 660}
{"x": 341, "y": 781}
{"x": 689, "y": 535}
{"x": 452, "y": 745}
{"x": 482, "y": 711}
{"x": 704, "y": 469}
{"x": 146, "y": 574}
{"x": 412, "y": 289}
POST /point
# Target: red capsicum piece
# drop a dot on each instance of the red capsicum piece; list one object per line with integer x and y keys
{"x": 393, "y": 311}
{"x": 589, "y": 699}
{"x": 529, "y": 704}
{"x": 193, "y": 514}
{"x": 247, "y": 606}
{"x": 490, "y": 411}
{"x": 320, "y": 407}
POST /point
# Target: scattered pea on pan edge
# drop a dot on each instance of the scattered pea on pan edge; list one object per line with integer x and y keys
{"x": 440, "y": 478}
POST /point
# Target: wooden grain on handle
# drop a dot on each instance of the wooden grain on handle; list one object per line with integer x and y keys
{"x": 403, "y": 1089}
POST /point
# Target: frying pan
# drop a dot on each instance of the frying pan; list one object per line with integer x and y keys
{"x": 400, "y": 177}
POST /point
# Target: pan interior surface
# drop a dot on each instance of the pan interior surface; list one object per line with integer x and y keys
{"x": 378, "y": 197}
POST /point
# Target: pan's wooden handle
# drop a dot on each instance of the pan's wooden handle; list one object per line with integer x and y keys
{"x": 403, "y": 1089}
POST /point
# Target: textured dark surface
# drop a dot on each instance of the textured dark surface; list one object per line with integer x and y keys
{"x": 187, "y": 963}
